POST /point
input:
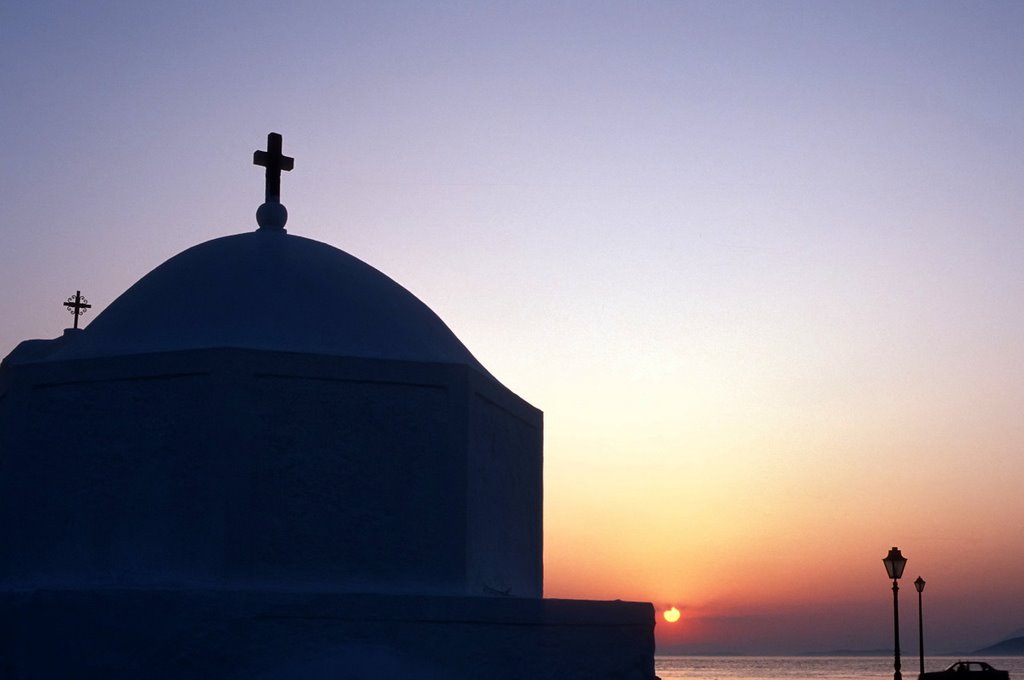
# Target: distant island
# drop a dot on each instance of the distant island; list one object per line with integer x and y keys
{"x": 852, "y": 652}
{"x": 1011, "y": 647}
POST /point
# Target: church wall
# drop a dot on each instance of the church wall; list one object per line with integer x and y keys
{"x": 505, "y": 515}
{"x": 68, "y": 517}
{"x": 357, "y": 475}
{"x": 225, "y": 466}
{"x": 91, "y": 488}
{"x": 244, "y": 467}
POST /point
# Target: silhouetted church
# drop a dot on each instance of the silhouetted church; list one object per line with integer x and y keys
{"x": 268, "y": 459}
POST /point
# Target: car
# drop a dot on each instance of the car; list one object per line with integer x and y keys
{"x": 968, "y": 670}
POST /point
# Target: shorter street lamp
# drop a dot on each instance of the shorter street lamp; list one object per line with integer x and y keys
{"x": 894, "y": 563}
{"x": 919, "y": 584}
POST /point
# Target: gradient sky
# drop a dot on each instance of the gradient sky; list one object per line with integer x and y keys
{"x": 760, "y": 264}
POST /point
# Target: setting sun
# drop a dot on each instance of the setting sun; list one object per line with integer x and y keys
{"x": 671, "y": 615}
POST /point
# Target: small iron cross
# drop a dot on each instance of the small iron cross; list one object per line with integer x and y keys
{"x": 274, "y": 161}
{"x": 77, "y": 305}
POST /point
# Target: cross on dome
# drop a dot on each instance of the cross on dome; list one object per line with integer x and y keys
{"x": 272, "y": 214}
{"x": 77, "y": 305}
{"x": 274, "y": 161}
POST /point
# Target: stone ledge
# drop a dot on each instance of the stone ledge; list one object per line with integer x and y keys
{"x": 274, "y": 634}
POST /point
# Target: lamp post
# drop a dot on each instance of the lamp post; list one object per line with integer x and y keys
{"x": 919, "y": 584}
{"x": 894, "y": 564}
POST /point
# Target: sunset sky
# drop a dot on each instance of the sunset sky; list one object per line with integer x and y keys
{"x": 761, "y": 264}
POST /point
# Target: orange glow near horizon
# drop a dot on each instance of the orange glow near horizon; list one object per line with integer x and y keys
{"x": 776, "y": 529}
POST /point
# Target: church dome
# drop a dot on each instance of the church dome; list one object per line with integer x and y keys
{"x": 269, "y": 290}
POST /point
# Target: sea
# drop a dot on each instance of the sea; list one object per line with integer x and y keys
{"x": 813, "y": 667}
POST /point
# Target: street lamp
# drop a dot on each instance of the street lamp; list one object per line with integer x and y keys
{"x": 894, "y": 563}
{"x": 919, "y": 584}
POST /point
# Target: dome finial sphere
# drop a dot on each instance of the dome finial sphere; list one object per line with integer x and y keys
{"x": 272, "y": 216}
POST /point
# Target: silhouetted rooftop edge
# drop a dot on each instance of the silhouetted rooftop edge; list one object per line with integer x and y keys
{"x": 271, "y": 291}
